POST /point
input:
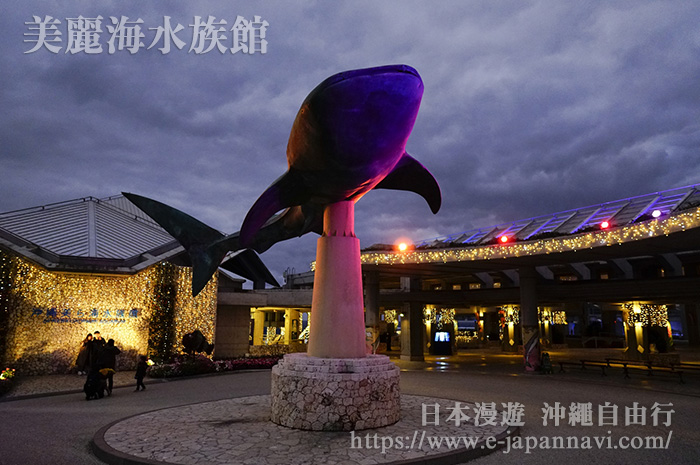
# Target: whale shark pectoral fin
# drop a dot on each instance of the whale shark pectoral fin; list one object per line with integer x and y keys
{"x": 188, "y": 231}
{"x": 205, "y": 245}
{"x": 410, "y": 175}
{"x": 289, "y": 190}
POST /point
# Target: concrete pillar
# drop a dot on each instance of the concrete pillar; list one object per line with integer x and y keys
{"x": 412, "y": 327}
{"x": 511, "y": 331}
{"x": 232, "y": 331}
{"x": 412, "y": 332}
{"x": 337, "y": 308}
{"x": 258, "y": 327}
{"x": 637, "y": 338}
{"x": 372, "y": 298}
{"x": 491, "y": 325}
{"x": 546, "y": 328}
{"x": 692, "y": 324}
{"x": 528, "y": 318}
{"x": 292, "y": 325}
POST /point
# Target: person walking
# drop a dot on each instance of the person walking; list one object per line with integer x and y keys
{"x": 141, "y": 373}
{"x": 108, "y": 362}
{"x": 82, "y": 363}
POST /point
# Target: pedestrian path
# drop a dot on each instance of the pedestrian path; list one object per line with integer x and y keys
{"x": 58, "y": 384}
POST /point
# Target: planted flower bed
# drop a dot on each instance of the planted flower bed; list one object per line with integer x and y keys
{"x": 6, "y": 380}
{"x": 185, "y": 365}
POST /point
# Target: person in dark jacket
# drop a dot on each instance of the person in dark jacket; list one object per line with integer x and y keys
{"x": 96, "y": 347}
{"x": 82, "y": 363}
{"x": 107, "y": 362}
{"x": 95, "y": 384}
{"x": 141, "y": 373}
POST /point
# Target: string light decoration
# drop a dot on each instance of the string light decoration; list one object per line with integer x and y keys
{"x": 390, "y": 317}
{"x": 465, "y": 337}
{"x": 553, "y": 317}
{"x": 510, "y": 314}
{"x": 5, "y": 273}
{"x": 161, "y": 330}
{"x": 440, "y": 317}
{"x": 646, "y": 314}
{"x": 49, "y": 313}
{"x": 600, "y": 238}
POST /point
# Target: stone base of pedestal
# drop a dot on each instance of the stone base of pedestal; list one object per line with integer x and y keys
{"x": 335, "y": 394}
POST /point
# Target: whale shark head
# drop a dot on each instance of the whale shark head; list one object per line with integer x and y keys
{"x": 349, "y": 137}
{"x": 356, "y": 120}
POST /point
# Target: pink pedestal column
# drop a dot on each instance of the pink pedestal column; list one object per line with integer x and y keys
{"x": 336, "y": 386}
{"x": 337, "y": 309}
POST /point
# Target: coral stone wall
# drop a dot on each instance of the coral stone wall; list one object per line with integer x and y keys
{"x": 48, "y": 314}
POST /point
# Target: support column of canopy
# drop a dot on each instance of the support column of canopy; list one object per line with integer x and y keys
{"x": 692, "y": 324}
{"x": 412, "y": 328}
{"x": 528, "y": 318}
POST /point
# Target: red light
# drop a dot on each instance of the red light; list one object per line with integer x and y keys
{"x": 604, "y": 225}
{"x": 503, "y": 239}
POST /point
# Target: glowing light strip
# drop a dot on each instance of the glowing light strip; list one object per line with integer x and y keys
{"x": 603, "y": 238}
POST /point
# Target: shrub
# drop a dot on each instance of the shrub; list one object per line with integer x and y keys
{"x": 6, "y": 380}
{"x": 185, "y": 365}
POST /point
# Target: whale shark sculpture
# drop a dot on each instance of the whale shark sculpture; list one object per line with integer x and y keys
{"x": 348, "y": 138}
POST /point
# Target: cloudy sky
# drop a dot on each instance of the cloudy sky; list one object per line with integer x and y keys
{"x": 530, "y": 107}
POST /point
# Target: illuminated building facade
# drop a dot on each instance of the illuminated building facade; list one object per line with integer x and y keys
{"x": 73, "y": 268}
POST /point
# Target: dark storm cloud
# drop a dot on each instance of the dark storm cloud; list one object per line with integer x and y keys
{"x": 529, "y": 108}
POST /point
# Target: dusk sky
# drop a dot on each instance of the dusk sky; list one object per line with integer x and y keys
{"x": 530, "y": 107}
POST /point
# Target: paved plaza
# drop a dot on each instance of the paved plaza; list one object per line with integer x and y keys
{"x": 59, "y": 428}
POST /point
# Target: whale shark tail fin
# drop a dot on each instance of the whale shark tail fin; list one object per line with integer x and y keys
{"x": 289, "y": 190}
{"x": 410, "y": 175}
{"x": 205, "y": 245}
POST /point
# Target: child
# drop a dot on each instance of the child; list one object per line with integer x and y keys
{"x": 140, "y": 373}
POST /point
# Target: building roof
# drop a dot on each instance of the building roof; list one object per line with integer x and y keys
{"x": 618, "y": 213}
{"x": 88, "y": 233}
{"x": 103, "y": 235}
{"x": 566, "y": 244}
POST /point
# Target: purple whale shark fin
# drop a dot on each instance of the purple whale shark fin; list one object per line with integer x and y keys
{"x": 293, "y": 222}
{"x": 410, "y": 175}
{"x": 289, "y": 190}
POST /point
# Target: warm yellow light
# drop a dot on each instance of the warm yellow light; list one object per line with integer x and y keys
{"x": 600, "y": 238}
{"x": 403, "y": 246}
{"x": 52, "y": 312}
